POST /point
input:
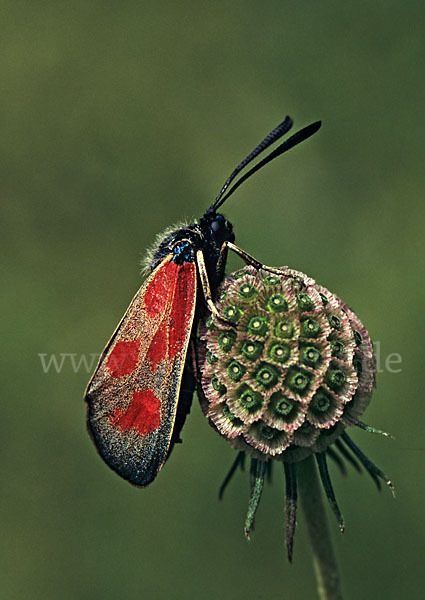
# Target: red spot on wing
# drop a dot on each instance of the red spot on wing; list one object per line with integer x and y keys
{"x": 158, "y": 292}
{"x": 123, "y": 358}
{"x": 170, "y": 337}
{"x": 181, "y": 311}
{"x": 158, "y": 346}
{"x": 142, "y": 415}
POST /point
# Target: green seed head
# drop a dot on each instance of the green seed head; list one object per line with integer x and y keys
{"x": 311, "y": 355}
{"x": 252, "y": 349}
{"x": 310, "y": 327}
{"x": 335, "y": 322}
{"x": 337, "y": 348}
{"x": 304, "y": 302}
{"x": 247, "y": 291}
{"x": 296, "y": 368}
{"x": 279, "y": 352}
{"x": 226, "y": 339}
{"x": 284, "y": 328}
{"x": 276, "y": 303}
{"x": 321, "y": 402}
{"x": 298, "y": 380}
{"x": 336, "y": 378}
{"x": 211, "y": 358}
{"x": 218, "y": 386}
{"x": 258, "y": 325}
{"x": 232, "y": 313}
{"x": 235, "y": 370}
{"x": 272, "y": 280}
{"x": 249, "y": 399}
{"x": 282, "y": 406}
{"x": 266, "y": 375}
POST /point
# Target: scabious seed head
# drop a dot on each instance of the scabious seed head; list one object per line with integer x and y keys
{"x": 293, "y": 372}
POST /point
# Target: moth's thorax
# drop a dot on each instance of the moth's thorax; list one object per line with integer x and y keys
{"x": 182, "y": 243}
{"x": 208, "y": 235}
{"x": 183, "y": 252}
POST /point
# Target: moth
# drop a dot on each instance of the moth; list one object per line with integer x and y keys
{"x": 141, "y": 390}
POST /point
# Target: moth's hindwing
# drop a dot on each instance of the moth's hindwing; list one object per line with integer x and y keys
{"x": 132, "y": 396}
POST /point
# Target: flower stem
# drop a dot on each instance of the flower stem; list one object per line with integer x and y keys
{"x": 324, "y": 561}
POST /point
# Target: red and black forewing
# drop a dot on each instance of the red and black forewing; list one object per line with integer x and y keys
{"x": 132, "y": 396}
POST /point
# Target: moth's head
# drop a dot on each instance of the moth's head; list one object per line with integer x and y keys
{"x": 217, "y": 228}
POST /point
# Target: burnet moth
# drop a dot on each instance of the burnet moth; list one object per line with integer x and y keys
{"x": 142, "y": 387}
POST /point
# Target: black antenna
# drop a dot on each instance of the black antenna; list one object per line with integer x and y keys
{"x": 295, "y": 139}
{"x": 272, "y": 137}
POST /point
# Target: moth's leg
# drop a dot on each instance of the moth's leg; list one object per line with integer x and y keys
{"x": 250, "y": 260}
{"x": 222, "y": 257}
{"x": 202, "y": 270}
{"x": 192, "y": 356}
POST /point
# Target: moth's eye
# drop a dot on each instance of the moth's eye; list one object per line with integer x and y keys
{"x": 218, "y": 224}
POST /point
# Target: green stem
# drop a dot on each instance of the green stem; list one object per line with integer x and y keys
{"x": 324, "y": 561}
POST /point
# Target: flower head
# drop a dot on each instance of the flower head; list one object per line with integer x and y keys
{"x": 284, "y": 373}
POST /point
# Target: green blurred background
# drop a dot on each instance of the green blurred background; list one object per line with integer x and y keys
{"x": 119, "y": 119}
